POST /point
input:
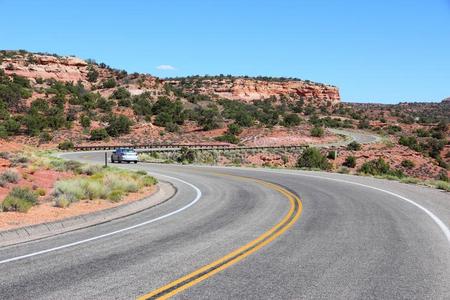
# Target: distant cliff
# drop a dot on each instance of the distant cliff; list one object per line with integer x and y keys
{"x": 249, "y": 89}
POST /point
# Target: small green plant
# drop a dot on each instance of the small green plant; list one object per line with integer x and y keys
{"x": 116, "y": 195}
{"x": 99, "y": 134}
{"x": 317, "y": 131}
{"x": 10, "y": 176}
{"x": 312, "y": 158}
{"x": 62, "y": 202}
{"x": 375, "y": 167}
{"x": 354, "y": 146}
{"x": 408, "y": 164}
{"x": 66, "y": 145}
{"x": 19, "y": 199}
{"x": 350, "y": 162}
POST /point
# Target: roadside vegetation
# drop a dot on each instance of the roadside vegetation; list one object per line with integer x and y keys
{"x": 73, "y": 182}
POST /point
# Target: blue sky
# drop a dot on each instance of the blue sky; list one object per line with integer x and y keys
{"x": 374, "y": 51}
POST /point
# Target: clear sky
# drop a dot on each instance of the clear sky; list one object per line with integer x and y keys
{"x": 383, "y": 51}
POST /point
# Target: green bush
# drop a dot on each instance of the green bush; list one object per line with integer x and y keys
{"x": 234, "y": 129}
{"x": 354, "y": 146}
{"x": 312, "y": 158}
{"x": 10, "y": 176}
{"x": 92, "y": 74}
{"x": 66, "y": 145}
{"x": 116, "y": 195}
{"x": 118, "y": 125}
{"x": 99, "y": 134}
{"x": 228, "y": 138}
{"x": 408, "y": 164}
{"x": 19, "y": 199}
{"x": 291, "y": 120}
{"x": 62, "y": 201}
{"x": 317, "y": 131}
{"x": 85, "y": 121}
{"x": 148, "y": 180}
{"x": 121, "y": 93}
{"x": 109, "y": 83}
{"x": 350, "y": 162}
{"x": 375, "y": 167}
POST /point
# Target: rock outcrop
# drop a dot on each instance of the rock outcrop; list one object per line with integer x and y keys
{"x": 248, "y": 89}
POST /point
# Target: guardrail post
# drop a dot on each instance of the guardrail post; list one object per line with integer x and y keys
{"x": 106, "y": 159}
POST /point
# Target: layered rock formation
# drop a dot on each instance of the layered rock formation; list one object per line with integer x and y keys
{"x": 248, "y": 89}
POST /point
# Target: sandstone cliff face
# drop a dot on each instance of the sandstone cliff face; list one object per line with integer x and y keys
{"x": 46, "y": 67}
{"x": 247, "y": 90}
{"x": 73, "y": 69}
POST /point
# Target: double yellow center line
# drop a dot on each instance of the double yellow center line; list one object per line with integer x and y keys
{"x": 237, "y": 255}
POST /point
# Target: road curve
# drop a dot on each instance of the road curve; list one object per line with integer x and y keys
{"x": 355, "y": 239}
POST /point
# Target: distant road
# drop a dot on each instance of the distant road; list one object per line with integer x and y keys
{"x": 351, "y": 135}
{"x": 345, "y": 237}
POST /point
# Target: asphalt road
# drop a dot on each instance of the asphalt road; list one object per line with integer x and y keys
{"x": 355, "y": 239}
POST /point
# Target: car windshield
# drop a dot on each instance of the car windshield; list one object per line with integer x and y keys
{"x": 128, "y": 151}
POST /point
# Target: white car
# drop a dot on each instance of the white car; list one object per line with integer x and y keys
{"x": 124, "y": 154}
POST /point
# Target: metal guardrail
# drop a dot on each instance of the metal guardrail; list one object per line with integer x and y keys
{"x": 229, "y": 148}
{"x": 148, "y": 146}
{"x": 178, "y": 147}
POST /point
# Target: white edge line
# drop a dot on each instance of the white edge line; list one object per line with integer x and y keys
{"x": 436, "y": 219}
{"x": 197, "y": 198}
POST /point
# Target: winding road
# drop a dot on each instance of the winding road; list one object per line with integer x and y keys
{"x": 242, "y": 233}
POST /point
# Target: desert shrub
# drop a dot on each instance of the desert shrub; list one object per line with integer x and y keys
{"x": 332, "y": 154}
{"x": 90, "y": 169}
{"x": 354, "y": 146}
{"x": 375, "y": 167}
{"x": 94, "y": 189}
{"x": 209, "y": 119}
{"x": 66, "y": 145}
{"x": 72, "y": 189}
{"x": 10, "y": 176}
{"x": 19, "y": 199}
{"x": 62, "y": 201}
{"x": 99, "y": 134}
{"x": 5, "y": 155}
{"x": 422, "y": 133}
{"x": 408, "y": 164}
{"x": 3, "y": 132}
{"x": 228, "y": 138}
{"x": 40, "y": 192}
{"x": 291, "y": 120}
{"x": 118, "y": 125}
{"x": 317, "y": 131}
{"x": 142, "y": 106}
{"x": 115, "y": 195}
{"x": 125, "y": 102}
{"x": 187, "y": 155}
{"x": 234, "y": 129}
{"x": 442, "y": 176}
{"x": 45, "y": 137}
{"x": 148, "y": 180}
{"x": 393, "y": 129}
{"x": 109, "y": 83}
{"x": 85, "y": 121}
{"x": 92, "y": 74}
{"x": 442, "y": 185}
{"x": 11, "y": 126}
{"x": 410, "y": 142}
{"x": 116, "y": 181}
{"x": 121, "y": 93}
{"x": 312, "y": 158}
{"x": 350, "y": 162}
